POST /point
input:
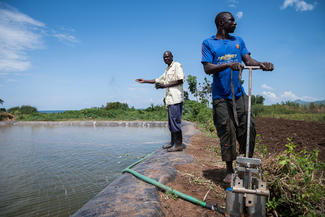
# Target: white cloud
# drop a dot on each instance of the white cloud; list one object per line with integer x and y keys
{"x": 289, "y": 96}
{"x": 265, "y": 86}
{"x": 232, "y": 3}
{"x": 13, "y": 15}
{"x": 19, "y": 34}
{"x": 270, "y": 96}
{"x": 309, "y": 98}
{"x": 300, "y": 5}
{"x": 66, "y": 37}
{"x": 239, "y": 14}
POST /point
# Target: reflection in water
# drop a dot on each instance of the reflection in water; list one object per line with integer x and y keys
{"x": 53, "y": 171}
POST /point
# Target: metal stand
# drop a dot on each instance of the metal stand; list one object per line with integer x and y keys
{"x": 247, "y": 194}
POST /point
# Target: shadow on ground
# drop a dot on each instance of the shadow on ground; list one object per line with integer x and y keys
{"x": 216, "y": 176}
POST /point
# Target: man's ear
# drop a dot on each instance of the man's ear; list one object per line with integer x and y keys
{"x": 221, "y": 22}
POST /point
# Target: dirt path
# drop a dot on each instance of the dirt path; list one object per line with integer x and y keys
{"x": 202, "y": 179}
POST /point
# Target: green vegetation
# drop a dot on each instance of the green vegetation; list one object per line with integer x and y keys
{"x": 296, "y": 182}
{"x": 291, "y": 110}
{"x": 112, "y": 111}
{"x": 2, "y": 109}
{"x": 24, "y": 109}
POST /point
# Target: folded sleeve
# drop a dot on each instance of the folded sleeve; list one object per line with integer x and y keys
{"x": 179, "y": 72}
{"x": 244, "y": 50}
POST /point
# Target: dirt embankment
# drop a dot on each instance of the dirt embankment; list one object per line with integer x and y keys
{"x": 202, "y": 179}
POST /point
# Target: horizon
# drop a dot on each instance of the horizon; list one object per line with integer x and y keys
{"x": 302, "y": 103}
{"x": 79, "y": 54}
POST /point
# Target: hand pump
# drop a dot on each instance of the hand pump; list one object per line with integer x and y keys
{"x": 247, "y": 194}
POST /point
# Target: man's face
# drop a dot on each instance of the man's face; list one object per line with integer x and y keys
{"x": 168, "y": 58}
{"x": 229, "y": 23}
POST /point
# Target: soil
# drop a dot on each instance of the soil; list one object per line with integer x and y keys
{"x": 4, "y": 116}
{"x": 202, "y": 179}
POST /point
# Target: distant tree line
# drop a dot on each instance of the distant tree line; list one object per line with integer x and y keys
{"x": 24, "y": 109}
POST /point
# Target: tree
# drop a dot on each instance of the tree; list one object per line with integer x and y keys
{"x": 186, "y": 97}
{"x": 205, "y": 91}
{"x": 201, "y": 91}
{"x": 192, "y": 85}
{"x": 257, "y": 100}
{"x": 1, "y": 101}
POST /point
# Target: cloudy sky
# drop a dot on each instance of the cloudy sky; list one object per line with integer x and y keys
{"x": 78, "y": 54}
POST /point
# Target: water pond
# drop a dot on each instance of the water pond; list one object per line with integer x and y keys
{"x": 54, "y": 170}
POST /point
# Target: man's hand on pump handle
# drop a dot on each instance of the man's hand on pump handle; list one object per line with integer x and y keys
{"x": 265, "y": 66}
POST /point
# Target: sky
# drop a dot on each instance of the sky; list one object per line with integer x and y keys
{"x": 66, "y": 55}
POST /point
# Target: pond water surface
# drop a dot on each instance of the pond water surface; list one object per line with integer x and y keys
{"x": 53, "y": 171}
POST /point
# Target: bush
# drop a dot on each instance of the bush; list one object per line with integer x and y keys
{"x": 296, "y": 182}
{"x": 257, "y": 109}
{"x": 116, "y": 105}
{"x": 200, "y": 113}
{"x": 13, "y": 109}
{"x": 152, "y": 108}
{"x": 24, "y": 109}
{"x": 94, "y": 113}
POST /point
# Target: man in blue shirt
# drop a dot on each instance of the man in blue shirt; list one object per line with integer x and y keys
{"x": 222, "y": 55}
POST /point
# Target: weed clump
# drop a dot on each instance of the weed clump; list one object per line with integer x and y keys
{"x": 296, "y": 182}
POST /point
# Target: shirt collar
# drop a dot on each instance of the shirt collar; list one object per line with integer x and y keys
{"x": 214, "y": 37}
{"x": 170, "y": 65}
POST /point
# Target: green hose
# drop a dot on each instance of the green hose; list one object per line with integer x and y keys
{"x": 168, "y": 189}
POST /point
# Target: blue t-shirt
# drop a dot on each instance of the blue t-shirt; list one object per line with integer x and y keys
{"x": 220, "y": 51}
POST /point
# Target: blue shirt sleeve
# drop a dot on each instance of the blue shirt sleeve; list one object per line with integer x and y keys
{"x": 244, "y": 50}
{"x": 206, "y": 53}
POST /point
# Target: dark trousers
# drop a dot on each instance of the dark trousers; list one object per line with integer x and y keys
{"x": 228, "y": 131}
{"x": 175, "y": 117}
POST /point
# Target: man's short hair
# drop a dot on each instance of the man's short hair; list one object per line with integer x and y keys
{"x": 168, "y": 51}
{"x": 219, "y": 17}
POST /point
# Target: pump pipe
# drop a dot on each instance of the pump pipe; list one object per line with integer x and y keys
{"x": 215, "y": 207}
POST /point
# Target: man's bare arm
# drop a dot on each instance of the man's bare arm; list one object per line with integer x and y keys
{"x": 249, "y": 61}
{"x": 141, "y": 80}
{"x": 211, "y": 68}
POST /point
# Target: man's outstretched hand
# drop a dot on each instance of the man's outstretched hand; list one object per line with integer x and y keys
{"x": 266, "y": 66}
{"x": 140, "y": 80}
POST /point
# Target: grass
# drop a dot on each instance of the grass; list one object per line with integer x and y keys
{"x": 315, "y": 117}
{"x": 296, "y": 182}
{"x": 291, "y": 111}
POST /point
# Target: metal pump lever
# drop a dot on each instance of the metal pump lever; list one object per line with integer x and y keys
{"x": 251, "y": 68}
